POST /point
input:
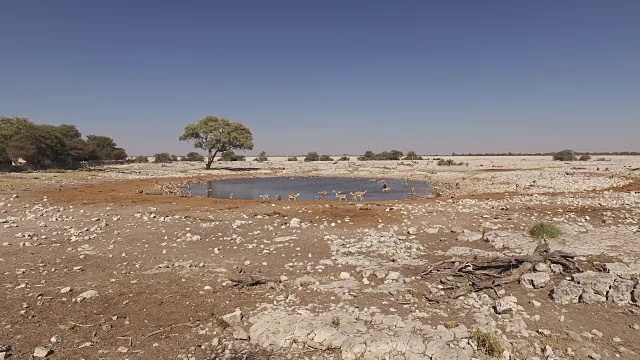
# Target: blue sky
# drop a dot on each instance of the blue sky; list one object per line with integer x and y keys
{"x": 331, "y": 76}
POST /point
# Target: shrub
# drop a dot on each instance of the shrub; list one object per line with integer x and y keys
{"x": 231, "y": 156}
{"x": 488, "y": 343}
{"x": 565, "y": 155}
{"x": 385, "y": 155}
{"x": 411, "y": 155}
{"x": 193, "y": 156}
{"x": 585, "y": 157}
{"x": 293, "y": 158}
{"x": 448, "y": 162}
{"x": 326, "y": 158}
{"x": 55, "y": 171}
{"x": 262, "y": 157}
{"x": 163, "y": 158}
{"x": 344, "y": 158}
{"x": 312, "y": 156}
{"x": 141, "y": 159}
{"x": 545, "y": 231}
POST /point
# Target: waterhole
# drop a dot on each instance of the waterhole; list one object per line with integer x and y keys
{"x": 312, "y": 188}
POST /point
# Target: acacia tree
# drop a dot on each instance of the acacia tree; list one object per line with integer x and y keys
{"x": 216, "y": 135}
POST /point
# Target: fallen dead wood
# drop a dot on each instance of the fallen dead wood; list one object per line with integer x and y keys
{"x": 479, "y": 273}
{"x": 241, "y": 283}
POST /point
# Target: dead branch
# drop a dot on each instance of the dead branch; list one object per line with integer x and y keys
{"x": 482, "y": 272}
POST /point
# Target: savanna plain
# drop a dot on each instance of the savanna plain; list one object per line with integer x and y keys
{"x": 516, "y": 258}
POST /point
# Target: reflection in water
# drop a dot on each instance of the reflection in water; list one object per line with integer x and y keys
{"x": 312, "y": 188}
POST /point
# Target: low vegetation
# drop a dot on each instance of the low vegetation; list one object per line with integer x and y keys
{"x": 488, "y": 343}
{"x": 262, "y": 157}
{"x": 385, "y": 155}
{"x": 449, "y": 162}
{"x": 412, "y": 155}
{"x": 141, "y": 159}
{"x": 193, "y": 156}
{"x": 293, "y": 158}
{"x": 565, "y": 155}
{"x": 585, "y": 157}
{"x": 231, "y": 156}
{"x": 344, "y": 158}
{"x": 326, "y": 158}
{"x": 545, "y": 231}
{"x": 312, "y": 156}
{"x": 55, "y": 171}
{"x": 546, "y": 153}
{"x": 163, "y": 158}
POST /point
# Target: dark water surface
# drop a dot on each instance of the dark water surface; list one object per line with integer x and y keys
{"x": 309, "y": 187}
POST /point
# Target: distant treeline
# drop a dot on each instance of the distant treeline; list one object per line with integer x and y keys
{"x": 46, "y": 146}
{"x": 548, "y": 153}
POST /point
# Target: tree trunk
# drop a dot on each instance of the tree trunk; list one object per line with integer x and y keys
{"x": 210, "y": 158}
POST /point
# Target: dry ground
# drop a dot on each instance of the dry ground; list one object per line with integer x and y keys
{"x": 163, "y": 265}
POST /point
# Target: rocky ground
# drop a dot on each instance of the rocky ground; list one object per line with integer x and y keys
{"x": 94, "y": 265}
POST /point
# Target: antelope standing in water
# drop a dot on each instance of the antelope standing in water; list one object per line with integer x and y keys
{"x": 340, "y": 195}
{"x": 278, "y": 197}
{"x": 320, "y": 195}
{"x": 385, "y": 188}
{"x": 358, "y": 194}
{"x": 264, "y": 197}
{"x": 231, "y": 196}
{"x": 294, "y": 197}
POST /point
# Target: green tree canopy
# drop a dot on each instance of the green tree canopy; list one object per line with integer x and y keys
{"x": 217, "y": 135}
{"x": 104, "y": 148}
{"x": 49, "y": 145}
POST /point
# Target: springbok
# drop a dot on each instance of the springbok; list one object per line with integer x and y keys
{"x": 231, "y": 196}
{"x": 340, "y": 195}
{"x": 358, "y": 194}
{"x": 264, "y": 197}
{"x": 294, "y": 197}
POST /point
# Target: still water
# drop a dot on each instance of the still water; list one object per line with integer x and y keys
{"x": 310, "y": 188}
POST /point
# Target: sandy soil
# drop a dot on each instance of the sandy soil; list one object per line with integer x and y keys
{"x": 172, "y": 275}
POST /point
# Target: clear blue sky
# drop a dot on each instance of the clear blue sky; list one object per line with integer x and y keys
{"x": 331, "y": 76}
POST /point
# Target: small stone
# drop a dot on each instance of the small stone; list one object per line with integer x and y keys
{"x": 122, "y": 349}
{"x": 87, "y": 295}
{"x": 42, "y": 352}
{"x": 544, "y": 332}
{"x": 345, "y": 275}
{"x": 536, "y": 303}
{"x": 412, "y": 231}
{"x": 240, "y": 334}
{"x": 507, "y": 304}
{"x": 65, "y": 289}
{"x": 234, "y": 318}
{"x": 536, "y": 280}
{"x": 548, "y": 351}
{"x": 55, "y": 339}
{"x": 467, "y": 235}
{"x": 542, "y": 267}
{"x": 295, "y": 222}
{"x": 566, "y": 292}
{"x": 393, "y": 275}
{"x": 595, "y": 356}
{"x": 597, "y": 333}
